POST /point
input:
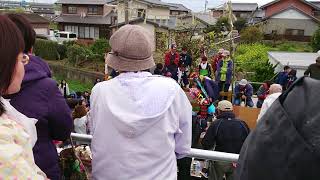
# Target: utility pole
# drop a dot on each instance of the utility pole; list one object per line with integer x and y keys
{"x": 126, "y": 11}
{"x": 205, "y": 6}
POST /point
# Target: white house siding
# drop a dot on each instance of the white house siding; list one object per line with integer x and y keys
{"x": 152, "y": 13}
{"x": 290, "y": 19}
{"x": 151, "y": 29}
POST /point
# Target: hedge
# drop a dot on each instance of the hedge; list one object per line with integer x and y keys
{"x": 46, "y": 49}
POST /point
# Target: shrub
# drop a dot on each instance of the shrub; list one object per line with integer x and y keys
{"x": 315, "y": 41}
{"x": 251, "y": 35}
{"x": 62, "y": 51}
{"x": 254, "y": 58}
{"x": 77, "y": 54}
{"x": 99, "y": 48}
{"x": 46, "y": 49}
{"x": 240, "y": 24}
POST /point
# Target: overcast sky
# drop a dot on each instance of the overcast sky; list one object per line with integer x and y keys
{"x": 195, "y": 5}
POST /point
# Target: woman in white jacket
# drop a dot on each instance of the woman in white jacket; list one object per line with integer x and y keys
{"x": 141, "y": 122}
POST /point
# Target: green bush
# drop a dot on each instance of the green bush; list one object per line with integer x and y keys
{"x": 240, "y": 24}
{"x": 99, "y": 48}
{"x": 62, "y": 50}
{"x": 251, "y": 35}
{"x": 254, "y": 58}
{"x": 315, "y": 41}
{"x": 46, "y": 49}
{"x": 77, "y": 54}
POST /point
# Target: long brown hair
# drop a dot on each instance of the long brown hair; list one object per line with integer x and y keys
{"x": 11, "y": 44}
{"x": 79, "y": 111}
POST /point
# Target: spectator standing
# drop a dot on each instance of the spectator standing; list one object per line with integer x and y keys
{"x": 224, "y": 72}
{"x": 227, "y": 134}
{"x": 205, "y": 67}
{"x": 135, "y": 129}
{"x": 291, "y": 78}
{"x": 243, "y": 93}
{"x": 86, "y": 97}
{"x": 41, "y": 99}
{"x": 64, "y": 88}
{"x": 16, "y": 156}
{"x": 274, "y": 92}
{"x": 172, "y": 59}
{"x": 263, "y": 92}
{"x": 314, "y": 70}
{"x": 80, "y": 119}
{"x": 216, "y": 59}
{"x": 159, "y": 69}
{"x": 186, "y": 60}
{"x": 282, "y": 76}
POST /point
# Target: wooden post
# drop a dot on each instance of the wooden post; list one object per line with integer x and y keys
{"x": 126, "y": 11}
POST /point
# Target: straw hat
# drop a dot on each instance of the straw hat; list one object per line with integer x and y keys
{"x": 131, "y": 49}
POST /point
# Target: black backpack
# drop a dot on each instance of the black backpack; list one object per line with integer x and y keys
{"x": 286, "y": 142}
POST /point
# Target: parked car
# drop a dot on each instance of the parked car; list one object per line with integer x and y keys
{"x": 66, "y": 36}
{"x": 46, "y": 37}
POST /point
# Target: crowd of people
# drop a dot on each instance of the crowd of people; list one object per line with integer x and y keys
{"x": 143, "y": 125}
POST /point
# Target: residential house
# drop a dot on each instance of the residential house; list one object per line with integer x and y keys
{"x": 240, "y": 10}
{"x": 39, "y": 23}
{"x": 179, "y": 10}
{"x": 42, "y": 9}
{"x": 89, "y": 19}
{"x": 299, "y": 61}
{"x": 295, "y": 20}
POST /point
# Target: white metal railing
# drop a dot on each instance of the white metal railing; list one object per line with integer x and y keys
{"x": 196, "y": 153}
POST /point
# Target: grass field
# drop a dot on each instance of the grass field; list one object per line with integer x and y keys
{"x": 75, "y": 85}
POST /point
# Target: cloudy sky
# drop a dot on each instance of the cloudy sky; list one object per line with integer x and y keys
{"x": 195, "y": 5}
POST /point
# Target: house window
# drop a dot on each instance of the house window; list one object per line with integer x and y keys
{"x": 141, "y": 13}
{"x": 93, "y": 10}
{"x": 81, "y": 32}
{"x": 96, "y": 33}
{"x": 88, "y": 32}
{"x": 294, "y": 32}
{"x": 274, "y": 32}
{"x": 72, "y": 10}
{"x": 300, "y": 32}
{"x": 175, "y": 13}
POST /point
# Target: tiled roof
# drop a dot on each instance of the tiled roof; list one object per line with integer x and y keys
{"x": 239, "y": 7}
{"x": 276, "y": 1}
{"x": 35, "y": 18}
{"x": 178, "y": 7}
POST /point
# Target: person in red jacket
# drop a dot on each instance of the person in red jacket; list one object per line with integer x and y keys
{"x": 216, "y": 59}
{"x": 263, "y": 93}
{"x": 172, "y": 59}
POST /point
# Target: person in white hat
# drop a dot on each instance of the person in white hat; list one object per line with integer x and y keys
{"x": 243, "y": 92}
{"x": 224, "y": 72}
{"x": 140, "y": 123}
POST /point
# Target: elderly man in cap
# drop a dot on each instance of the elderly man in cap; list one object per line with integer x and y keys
{"x": 275, "y": 91}
{"x": 172, "y": 59}
{"x": 224, "y": 72}
{"x": 141, "y": 123}
{"x": 314, "y": 70}
{"x": 243, "y": 93}
{"x": 227, "y": 134}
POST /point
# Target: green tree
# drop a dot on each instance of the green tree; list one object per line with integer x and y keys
{"x": 251, "y": 35}
{"x": 240, "y": 24}
{"x": 315, "y": 41}
{"x": 99, "y": 48}
{"x": 253, "y": 58}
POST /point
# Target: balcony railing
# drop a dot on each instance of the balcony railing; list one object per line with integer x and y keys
{"x": 196, "y": 153}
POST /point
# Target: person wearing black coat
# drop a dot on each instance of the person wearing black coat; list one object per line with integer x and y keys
{"x": 286, "y": 142}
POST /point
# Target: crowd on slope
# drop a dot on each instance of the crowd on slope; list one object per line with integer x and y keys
{"x": 143, "y": 123}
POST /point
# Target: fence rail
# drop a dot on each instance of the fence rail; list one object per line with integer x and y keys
{"x": 196, "y": 153}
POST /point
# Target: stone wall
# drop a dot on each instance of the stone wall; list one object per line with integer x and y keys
{"x": 75, "y": 74}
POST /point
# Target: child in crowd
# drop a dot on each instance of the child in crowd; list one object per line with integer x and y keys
{"x": 80, "y": 119}
{"x": 159, "y": 69}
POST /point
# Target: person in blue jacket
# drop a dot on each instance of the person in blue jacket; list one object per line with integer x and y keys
{"x": 243, "y": 93}
{"x": 283, "y": 76}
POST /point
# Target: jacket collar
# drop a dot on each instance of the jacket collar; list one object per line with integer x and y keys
{"x": 226, "y": 115}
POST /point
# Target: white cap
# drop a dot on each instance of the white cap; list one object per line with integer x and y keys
{"x": 243, "y": 82}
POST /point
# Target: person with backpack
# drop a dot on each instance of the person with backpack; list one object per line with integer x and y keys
{"x": 291, "y": 78}
{"x": 226, "y": 134}
{"x": 172, "y": 59}
{"x": 224, "y": 72}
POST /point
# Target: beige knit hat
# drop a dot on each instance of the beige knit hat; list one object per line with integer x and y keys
{"x": 131, "y": 49}
{"x": 225, "y": 106}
